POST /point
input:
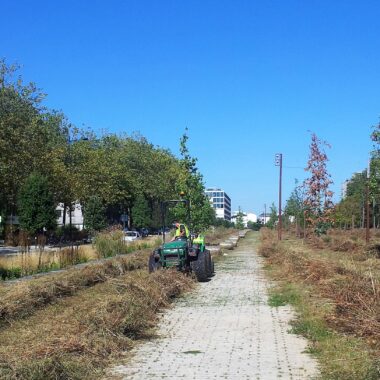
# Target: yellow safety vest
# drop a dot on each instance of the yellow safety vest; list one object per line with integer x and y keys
{"x": 199, "y": 240}
{"x": 178, "y": 231}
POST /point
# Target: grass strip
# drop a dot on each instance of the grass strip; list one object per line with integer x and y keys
{"x": 324, "y": 288}
{"x": 22, "y": 299}
{"x": 78, "y": 337}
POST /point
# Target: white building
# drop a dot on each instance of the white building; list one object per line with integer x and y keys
{"x": 264, "y": 218}
{"x": 76, "y": 216}
{"x": 247, "y": 217}
{"x": 221, "y": 202}
{"x": 343, "y": 190}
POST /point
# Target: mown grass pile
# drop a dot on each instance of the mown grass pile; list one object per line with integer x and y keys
{"x": 334, "y": 282}
{"x": 72, "y": 324}
{"x": 23, "y": 298}
{"x": 77, "y": 337}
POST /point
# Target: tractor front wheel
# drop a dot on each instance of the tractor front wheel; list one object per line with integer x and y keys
{"x": 199, "y": 267}
{"x": 153, "y": 264}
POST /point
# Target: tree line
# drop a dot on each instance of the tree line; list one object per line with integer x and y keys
{"x": 45, "y": 161}
{"x": 310, "y": 204}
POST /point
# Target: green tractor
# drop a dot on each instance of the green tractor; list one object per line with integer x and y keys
{"x": 183, "y": 253}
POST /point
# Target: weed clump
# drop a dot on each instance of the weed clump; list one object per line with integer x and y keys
{"x": 268, "y": 243}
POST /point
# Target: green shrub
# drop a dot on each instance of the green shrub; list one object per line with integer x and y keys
{"x": 110, "y": 244}
{"x": 10, "y": 274}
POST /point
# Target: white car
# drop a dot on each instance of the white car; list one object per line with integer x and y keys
{"x": 131, "y": 236}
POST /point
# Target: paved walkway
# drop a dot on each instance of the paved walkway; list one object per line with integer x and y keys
{"x": 224, "y": 330}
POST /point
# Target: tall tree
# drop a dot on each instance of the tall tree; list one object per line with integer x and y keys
{"x": 191, "y": 182}
{"x": 36, "y": 206}
{"x": 294, "y": 208}
{"x": 29, "y": 136}
{"x": 273, "y": 216}
{"x": 141, "y": 212}
{"x": 239, "y": 224}
{"x": 318, "y": 196}
{"x": 94, "y": 214}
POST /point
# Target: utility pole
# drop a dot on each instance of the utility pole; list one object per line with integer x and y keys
{"x": 278, "y": 162}
{"x": 367, "y": 207}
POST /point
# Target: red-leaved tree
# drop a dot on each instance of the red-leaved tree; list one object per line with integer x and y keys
{"x": 318, "y": 197}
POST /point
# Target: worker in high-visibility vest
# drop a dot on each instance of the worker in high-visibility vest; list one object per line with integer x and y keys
{"x": 200, "y": 240}
{"x": 181, "y": 231}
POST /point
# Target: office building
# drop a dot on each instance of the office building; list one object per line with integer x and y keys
{"x": 221, "y": 202}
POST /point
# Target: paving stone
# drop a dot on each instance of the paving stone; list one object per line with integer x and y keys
{"x": 224, "y": 330}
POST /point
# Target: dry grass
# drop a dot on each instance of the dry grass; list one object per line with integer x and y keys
{"x": 70, "y": 325}
{"x": 21, "y": 299}
{"x": 340, "y": 274}
{"x": 28, "y": 263}
{"x": 31, "y": 262}
{"x": 216, "y": 235}
{"x": 268, "y": 242}
{"x": 77, "y": 337}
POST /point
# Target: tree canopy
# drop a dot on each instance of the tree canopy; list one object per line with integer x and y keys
{"x": 318, "y": 196}
{"x": 124, "y": 173}
{"x": 36, "y": 206}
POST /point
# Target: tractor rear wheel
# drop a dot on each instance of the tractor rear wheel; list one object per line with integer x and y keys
{"x": 212, "y": 268}
{"x": 153, "y": 265}
{"x": 208, "y": 263}
{"x": 199, "y": 267}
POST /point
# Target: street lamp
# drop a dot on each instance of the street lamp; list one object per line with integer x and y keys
{"x": 278, "y": 162}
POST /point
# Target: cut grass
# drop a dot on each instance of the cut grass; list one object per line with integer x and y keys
{"x": 341, "y": 357}
{"x": 77, "y": 337}
{"x": 71, "y": 325}
{"x": 345, "y": 341}
{"x": 19, "y": 300}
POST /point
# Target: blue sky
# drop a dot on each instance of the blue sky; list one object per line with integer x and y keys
{"x": 248, "y": 78}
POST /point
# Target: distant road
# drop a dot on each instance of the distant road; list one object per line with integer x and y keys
{"x": 9, "y": 250}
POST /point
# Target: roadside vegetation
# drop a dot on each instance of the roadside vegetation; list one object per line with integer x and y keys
{"x": 334, "y": 284}
{"x": 73, "y": 324}
{"x": 76, "y": 337}
{"x": 46, "y": 161}
{"x": 106, "y": 244}
{"x": 328, "y": 267}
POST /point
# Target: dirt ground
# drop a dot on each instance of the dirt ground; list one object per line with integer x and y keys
{"x": 223, "y": 330}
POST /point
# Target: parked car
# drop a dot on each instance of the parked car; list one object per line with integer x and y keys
{"x": 144, "y": 232}
{"x": 166, "y": 229}
{"x": 132, "y": 236}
